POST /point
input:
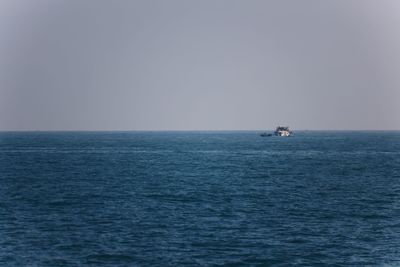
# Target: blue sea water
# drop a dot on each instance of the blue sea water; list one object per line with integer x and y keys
{"x": 199, "y": 199}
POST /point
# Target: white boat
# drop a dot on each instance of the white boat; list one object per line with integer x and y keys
{"x": 282, "y": 131}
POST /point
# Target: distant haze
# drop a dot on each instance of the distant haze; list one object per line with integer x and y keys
{"x": 199, "y": 65}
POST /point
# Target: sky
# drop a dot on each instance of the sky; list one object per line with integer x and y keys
{"x": 199, "y": 65}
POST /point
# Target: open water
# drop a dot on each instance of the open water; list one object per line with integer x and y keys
{"x": 199, "y": 199}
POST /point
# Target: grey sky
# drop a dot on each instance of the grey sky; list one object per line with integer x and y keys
{"x": 199, "y": 65}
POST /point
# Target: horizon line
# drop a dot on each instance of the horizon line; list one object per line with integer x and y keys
{"x": 205, "y": 130}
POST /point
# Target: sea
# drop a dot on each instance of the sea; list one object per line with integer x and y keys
{"x": 317, "y": 198}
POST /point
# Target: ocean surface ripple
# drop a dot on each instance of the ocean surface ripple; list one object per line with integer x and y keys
{"x": 199, "y": 199}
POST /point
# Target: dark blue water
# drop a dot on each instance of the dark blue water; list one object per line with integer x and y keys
{"x": 199, "y": 199}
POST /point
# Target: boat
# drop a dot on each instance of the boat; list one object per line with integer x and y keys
{"x": 265, "y": 134}
{"x": 282, "y": 131}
